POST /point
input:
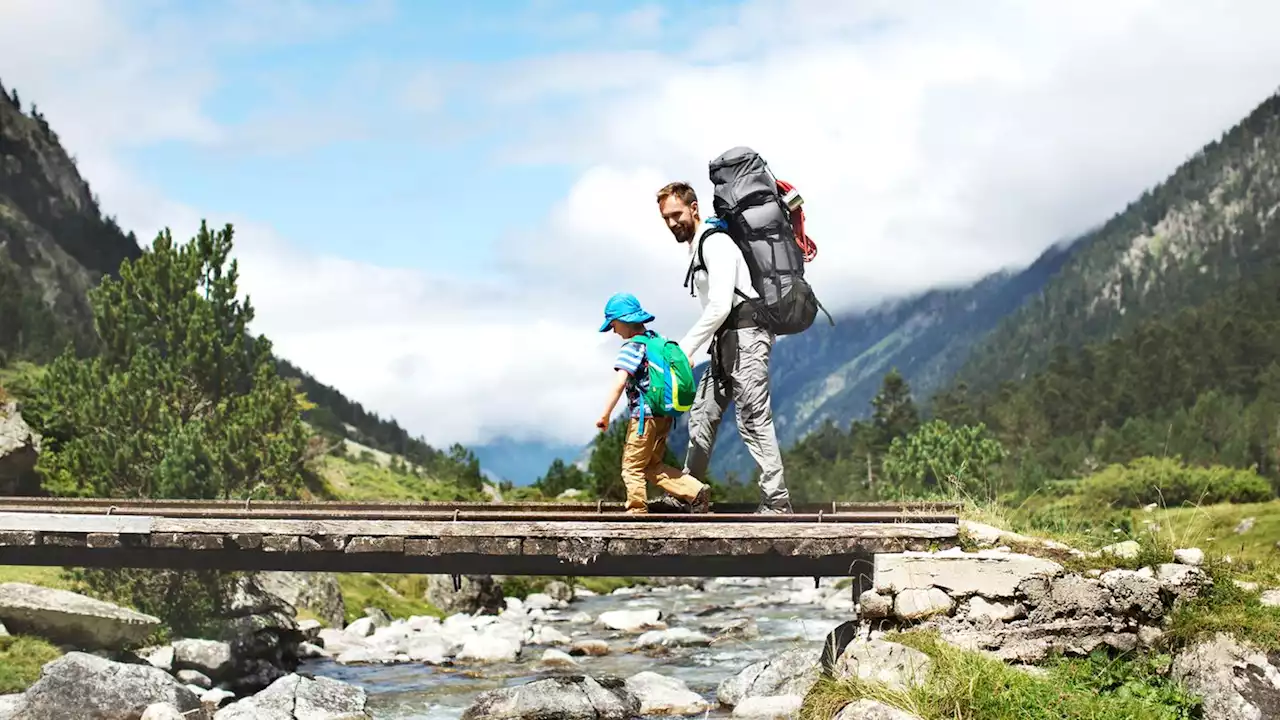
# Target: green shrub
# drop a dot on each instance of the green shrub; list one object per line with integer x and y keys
{"x": 1170, "y": 483}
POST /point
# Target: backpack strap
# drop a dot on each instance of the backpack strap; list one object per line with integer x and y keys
{"x": 697, "y": 262}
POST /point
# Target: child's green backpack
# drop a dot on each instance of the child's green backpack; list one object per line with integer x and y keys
{"x": 671, "y": 386}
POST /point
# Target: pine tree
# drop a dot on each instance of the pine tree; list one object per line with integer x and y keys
{"x": 894, "y": 412}
{"x": 181, "y": 402}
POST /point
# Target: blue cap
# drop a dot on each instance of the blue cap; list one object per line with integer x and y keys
{"x": 624, "y": 307}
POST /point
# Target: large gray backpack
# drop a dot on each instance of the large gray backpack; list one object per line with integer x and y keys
{"x": 751, "y": 206}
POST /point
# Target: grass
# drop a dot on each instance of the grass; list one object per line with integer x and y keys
{"x": 964, "y": 685}
{"x": 401, "y": 596}
{"x": 349, "y": 479}
{"x": 50, "y": 577}
{"x": 21, "y": 658}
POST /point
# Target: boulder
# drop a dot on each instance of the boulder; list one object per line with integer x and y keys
{"x": 872, "y": 710}
{"x": 675, "y": 637}
{"x": 477, "y": 593}
{"x": 661, "y": 695}
{"x": 162, "y": 711}
{"x": 890, "y": 664}
{"x": 315, "y": 591}
{"x": 209, "y": 657}
{"x": 791, "y": 672}
{"x": 1235, "y": 680}
{"x": 769, "y": 707}
{"x": 572, "y": 697}
{"x": 79, "y": 685}
{"x": 590, "y": 648}
{"x": 297, "y": 698}
{"x": 559, "y": 591}
{"x": 9, "y": 705}
{"x": 988, "y": 573}
{"x": 632, "y": 621}
{"x": 19, "y": 449}
{"x": 1134, "y": 593}
{"x": 69, "y": 618}
{"x": 556, "y": 658}
{"x": 1189, "y": 556}
{"x": 252, "y": 609}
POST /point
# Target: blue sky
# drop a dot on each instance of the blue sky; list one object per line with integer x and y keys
{"x": 394, "y": 183}
{"x": 433, "y": 200}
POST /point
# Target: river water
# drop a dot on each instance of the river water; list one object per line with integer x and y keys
{"x": 789, "y": 612}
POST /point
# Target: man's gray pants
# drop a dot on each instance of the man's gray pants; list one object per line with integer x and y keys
{"x": 743, "y": 357}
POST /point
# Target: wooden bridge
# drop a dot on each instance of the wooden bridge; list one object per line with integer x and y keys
{"x": 583, "y": 539}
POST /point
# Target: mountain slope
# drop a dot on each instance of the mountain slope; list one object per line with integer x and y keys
{"x": 832, "y": 373}
{"x": 54, "y": 241}
{"x": 55, "y": 245}
{"x": 522, "y": 462}
{"x": 1203, "y": 229}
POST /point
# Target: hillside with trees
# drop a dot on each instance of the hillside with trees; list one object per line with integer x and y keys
{"x": 56, "y": 245}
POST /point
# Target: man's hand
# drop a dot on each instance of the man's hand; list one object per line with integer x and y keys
{"x": 603, "y": 423}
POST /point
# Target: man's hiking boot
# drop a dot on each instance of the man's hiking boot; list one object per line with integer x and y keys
{"x": 775, "y": 510}
{"x": 702, "y": 503}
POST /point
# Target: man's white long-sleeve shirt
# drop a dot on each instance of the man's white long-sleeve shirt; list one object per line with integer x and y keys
{"x": 726, "y": 269}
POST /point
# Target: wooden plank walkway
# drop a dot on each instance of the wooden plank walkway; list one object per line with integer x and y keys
{"x": 490, "y": 540}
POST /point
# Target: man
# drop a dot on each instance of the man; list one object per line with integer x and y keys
{"x": 739, "y": 348}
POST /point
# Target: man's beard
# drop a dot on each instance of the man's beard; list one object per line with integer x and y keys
{"x": 683, "y": 232}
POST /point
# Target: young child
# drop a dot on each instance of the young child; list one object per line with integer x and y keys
{"x": 643, "y": 453}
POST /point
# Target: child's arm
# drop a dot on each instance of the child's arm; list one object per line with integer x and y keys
{"x": 620, "y": 382}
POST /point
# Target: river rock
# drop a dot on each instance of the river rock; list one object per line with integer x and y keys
{"x": 79, "y": 685}
{"x": 674, "y": 637}
{"x": 559, "y": 591}
{"x": 542, "y": 601}
{"x": 495, "y": 645}
{"x": 297, "y": 698}
{"x": 791, "y": 672}
{"x": 547, "y": 635}
{"x": 210, "y": 657}
{"x": 360, "y": 627}
{"x": 572, "y": 697}
{"x": 69, "y": 618}
{"x": 476, "y": 593}
{"x": 735, "y": 629}
{"x": 556, "y": 658}
{"x": 988, "y": 573}
{"x": 162, "y": 711}
{"x": 872, "y": 605}
{"x": 867, "y": 709}
{"x": 661, "y": 695}
{"x": 896, "y": 666}
{"x": 632, "y": 621}
{"x": 194, "y": 678}
{"x": 769, "y": 707}
{"x": 317, "y": 592}
{"x": 1236, "y": 681}
{"x": 591, "y": 648}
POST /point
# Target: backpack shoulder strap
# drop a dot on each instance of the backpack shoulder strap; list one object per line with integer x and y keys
{"x": 697, "y": 262}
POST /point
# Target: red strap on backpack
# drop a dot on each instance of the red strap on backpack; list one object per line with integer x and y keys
{"x": 807, "y": 246}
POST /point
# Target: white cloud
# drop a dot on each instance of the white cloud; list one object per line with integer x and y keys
{"x": 933, "y": 142}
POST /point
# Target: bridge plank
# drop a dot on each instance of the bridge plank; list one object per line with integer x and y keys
{"x": 57, "y": 522}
